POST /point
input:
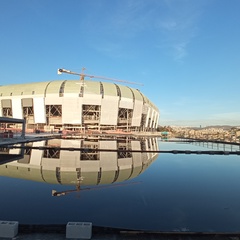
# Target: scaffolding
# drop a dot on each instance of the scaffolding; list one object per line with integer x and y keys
{"x": 51, "y": 153}
{"x": 92, "y": 153}
{"x": 91, "y": 116}
{"x": 125, "y": 118}
{"x": 7, "y": 112}
{"x": 53, "y": 114}
{"x": 123, "y": 148}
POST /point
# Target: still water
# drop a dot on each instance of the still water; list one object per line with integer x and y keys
{"x": 130, "y": 190}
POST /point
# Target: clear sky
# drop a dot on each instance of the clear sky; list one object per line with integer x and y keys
{"x": 185, "y": 52}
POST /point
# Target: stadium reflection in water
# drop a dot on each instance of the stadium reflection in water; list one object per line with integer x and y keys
{"x": 88, "y": 167}
{"x": 123, "y": 189}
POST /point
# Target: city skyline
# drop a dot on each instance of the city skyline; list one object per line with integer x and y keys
{"x": 186, "y": 53}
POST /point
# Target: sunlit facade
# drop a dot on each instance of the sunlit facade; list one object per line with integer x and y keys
{"x": 79, "y": 105}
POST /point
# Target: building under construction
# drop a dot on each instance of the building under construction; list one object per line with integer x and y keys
{"x": 78, "y": 105}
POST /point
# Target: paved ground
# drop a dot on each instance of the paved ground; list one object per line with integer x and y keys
{"x": 55, "y": 236}
{"x": 99, "y": 233}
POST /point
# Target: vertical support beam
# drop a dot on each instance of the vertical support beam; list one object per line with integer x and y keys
{"x": 23, "y": 128}
{"x": 127, "y": 120}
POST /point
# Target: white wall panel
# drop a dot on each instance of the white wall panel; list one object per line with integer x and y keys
{"x": 36, "y": 155}
{"x": 53, "y": 99}
{"x": 124, "y": 173}
{"x": 108, "y": 160}
{"x": 145, "y": 109}
{"x": 69, "y": 160}
{"x": 39, "y": 110}
{"x": 155, "y": 119}
{"x": 109, "y": 110}
{"x": 152, "y": 117}
{"x": 137, "y": 113}
{"x": 89, "y": 166}
{"x": 126, "y": 103}
{"x": 71, "y": 94}
{"x": 92, "y": 99}
{"x": 15, "y": 150}
{"x": 125, "y": 163}
{"x": 17, "y": 108}
{"x": 155, "y": 144}
{"x": 72, "y": 111}
{"x": 107, "y": 177}
{"x": 136, "y": 156}
{"x": 148, "y": 115}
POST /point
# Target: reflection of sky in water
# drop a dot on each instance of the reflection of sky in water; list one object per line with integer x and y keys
{"x": 175, "y": 193}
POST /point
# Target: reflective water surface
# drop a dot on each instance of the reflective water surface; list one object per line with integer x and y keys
{"x": 123, "y": 189}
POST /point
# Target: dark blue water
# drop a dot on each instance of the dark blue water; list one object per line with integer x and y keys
{"x": 171, "y": 192}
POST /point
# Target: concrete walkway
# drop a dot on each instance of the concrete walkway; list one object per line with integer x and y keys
{"x": 33, "y": 137}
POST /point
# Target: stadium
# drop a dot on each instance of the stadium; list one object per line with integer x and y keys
{"x": 78, "y": 105}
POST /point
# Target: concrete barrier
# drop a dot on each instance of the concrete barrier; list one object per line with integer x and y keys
{"x": 8, "y": 229}
{"x": 80, "y": 230}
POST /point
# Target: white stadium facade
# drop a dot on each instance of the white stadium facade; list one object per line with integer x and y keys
{"x": 79, "y": 105}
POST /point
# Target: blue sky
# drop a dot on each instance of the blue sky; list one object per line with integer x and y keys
{"x": 185, "y": 52}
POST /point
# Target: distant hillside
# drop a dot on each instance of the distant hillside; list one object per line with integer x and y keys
{"x": 225, "y": 127}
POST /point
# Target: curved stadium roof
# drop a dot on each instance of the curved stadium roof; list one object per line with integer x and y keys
{"x": 74, "y": 87}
